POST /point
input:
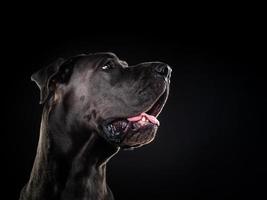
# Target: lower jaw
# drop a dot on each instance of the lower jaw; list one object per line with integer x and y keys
{"x": 132, "y": 143}
{"x": 131, "y": 138}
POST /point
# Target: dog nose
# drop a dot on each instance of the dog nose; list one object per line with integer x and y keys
{"x": 162, "y": 69}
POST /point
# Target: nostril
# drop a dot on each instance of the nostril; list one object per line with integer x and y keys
{"x": 162, "y": 69}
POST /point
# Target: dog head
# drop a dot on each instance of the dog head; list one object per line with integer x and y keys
{"x": 101, "y": 94}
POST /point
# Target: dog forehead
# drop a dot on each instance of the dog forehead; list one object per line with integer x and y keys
{"x": 106, "y": 54}
{"x": 101, "y": 56}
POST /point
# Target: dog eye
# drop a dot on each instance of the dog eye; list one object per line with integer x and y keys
{"x": 107, "y": 66}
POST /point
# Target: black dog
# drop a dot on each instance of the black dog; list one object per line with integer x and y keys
{"x": 94, "y": 105}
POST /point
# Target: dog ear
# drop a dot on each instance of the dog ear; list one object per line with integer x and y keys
{"x": 44, "y": 76}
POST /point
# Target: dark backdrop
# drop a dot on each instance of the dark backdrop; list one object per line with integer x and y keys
{"x": 211, "y": 140}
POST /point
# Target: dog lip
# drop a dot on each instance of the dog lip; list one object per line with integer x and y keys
{"x": 156, "y": 108}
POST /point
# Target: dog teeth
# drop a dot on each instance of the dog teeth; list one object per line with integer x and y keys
{"x": 113, "y": 131}
{"x": 135, "y": 126}
{"x": 117, "y": 133}
{"x": 144, "y": 119}
{"x": 109, "y": 127}
{"x": 123, "y": 124}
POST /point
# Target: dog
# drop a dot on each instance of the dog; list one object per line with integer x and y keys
{"x": 93, "y": 106}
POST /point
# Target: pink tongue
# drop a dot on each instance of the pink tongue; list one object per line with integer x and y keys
{"x": 151, "y": 118}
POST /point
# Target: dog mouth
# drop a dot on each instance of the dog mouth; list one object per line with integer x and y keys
{"x": 135, "y": 131}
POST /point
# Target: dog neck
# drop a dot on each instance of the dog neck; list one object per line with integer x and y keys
{"x": 81, "y": 175}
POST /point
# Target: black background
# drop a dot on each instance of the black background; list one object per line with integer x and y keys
{"x": 211, "y": 142}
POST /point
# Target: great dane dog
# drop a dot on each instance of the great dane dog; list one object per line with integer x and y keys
{"x": 94, "y": 105}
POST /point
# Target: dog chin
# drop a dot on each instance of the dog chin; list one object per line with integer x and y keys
{"x": 143, "y": 136}
{"x": 130, "y": 134}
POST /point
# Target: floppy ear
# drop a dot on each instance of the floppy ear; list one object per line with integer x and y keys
{"x": 43, "y": 77}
